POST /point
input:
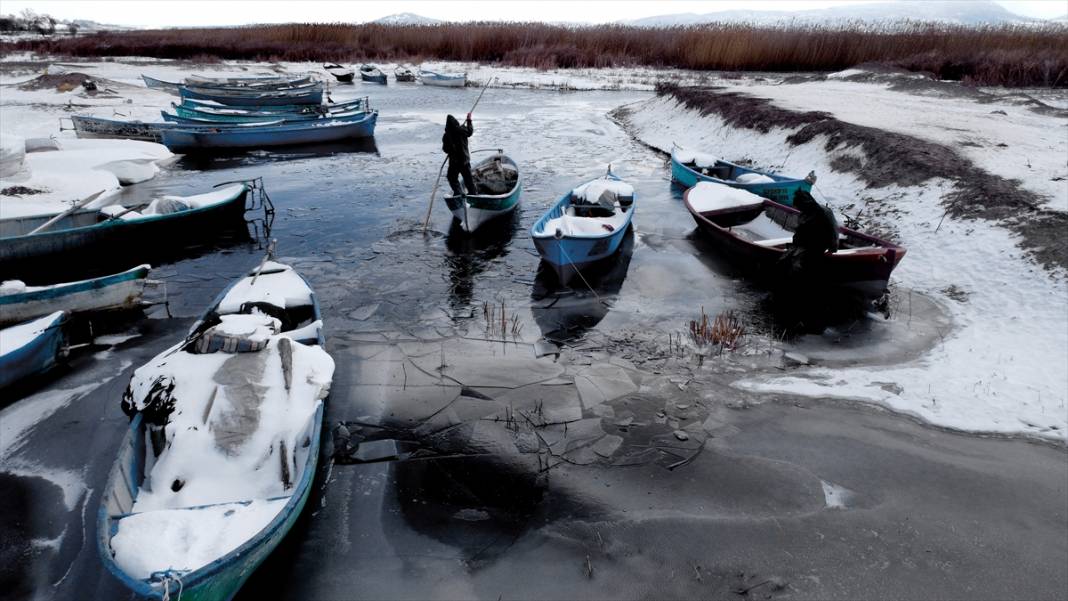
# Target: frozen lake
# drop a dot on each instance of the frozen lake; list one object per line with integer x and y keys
{"x": 563, "y": 476}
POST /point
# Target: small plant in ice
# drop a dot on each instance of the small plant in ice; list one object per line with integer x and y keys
{"x": 498, "y": 323}
{"x": 724, "y": 331}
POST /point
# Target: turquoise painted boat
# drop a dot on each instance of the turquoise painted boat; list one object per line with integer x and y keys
{"x": 98, "y": 127}
{"x": 688, "y": 168}
{"x": 191, "y": 140}
{"x": 234, "y": 120}
{"x": 30, "y": 348}
{"x": 499, "y": 186}
{"x": 215, "y": 107}
{"x": 111, "y": 292}
{"x": 585, "y": 226}
{"x": 236, "y": 115}
{"x": 218, "y": 578}
{"x": 96, "y": 236}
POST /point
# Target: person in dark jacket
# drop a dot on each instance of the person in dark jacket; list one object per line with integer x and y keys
{"x": 454, "y": 143}
{"x": 802, "y": 287}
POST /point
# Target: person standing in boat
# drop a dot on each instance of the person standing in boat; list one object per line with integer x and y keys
{"x": 454, "y": 143}
{"x": 803, "y": 285}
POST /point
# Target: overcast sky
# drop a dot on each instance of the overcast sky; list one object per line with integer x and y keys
{"x": 171, "y": 13}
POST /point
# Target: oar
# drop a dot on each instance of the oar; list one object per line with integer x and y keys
{"x": 433, "y": 193}
{"x": 81, "y": 203}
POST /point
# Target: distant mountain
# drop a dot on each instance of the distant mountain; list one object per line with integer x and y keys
{"x": 964, "y": 12}
{"x": 406, "y": 19}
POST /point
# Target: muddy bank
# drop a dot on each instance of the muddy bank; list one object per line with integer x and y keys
{"x": 897, "y": 159}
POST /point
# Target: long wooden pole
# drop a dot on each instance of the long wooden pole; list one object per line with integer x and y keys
{"x": 81, "y": 203}
{"x": 437, "y": 182}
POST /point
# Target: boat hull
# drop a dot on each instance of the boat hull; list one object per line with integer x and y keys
{"x": 443, "y": 81}
{"x": 221, "y": 579}
{"x": 254, "y": 97}
{"x": 111, "y": 242}
{"x": 569, "y": 255}
{"x": 113, "y": 292}
{"x": 865, "y": 271}
{"x": 474, "y": 211}
{"x": 781, "y": 190}
{"x": 192, "y": 140}
{"x": 379, "y": 78}
{"x": 35, "y": 357}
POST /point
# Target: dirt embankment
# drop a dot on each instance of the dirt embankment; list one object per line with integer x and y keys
{"x": 893, "y": 158}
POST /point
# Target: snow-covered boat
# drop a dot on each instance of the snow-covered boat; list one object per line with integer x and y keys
{"x": 689, "y": 167}
{"x": 171, "y": 87}
{"x": 755, "y": 232}
{"x": 223, "y": 443}
{"x": 585, "y": 226}
{"x": 342, "y": 74}
{"x": 444, "y": 80}
{"x": 372, "y": 74}
{"x": 98, "y": 127}
{"x": 403, "y": 74}
{"x": 118, "y": 291}
{"x": 30, "y": 348}
{"x": 117, "y": 234}
{"x": 499, "y": 187}
{"x": 311, "y": 94}
{"x": 221, "y": 113}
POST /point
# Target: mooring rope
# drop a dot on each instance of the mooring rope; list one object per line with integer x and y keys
{"x": 166, "y": 581}
{"x": 582, "y": 277}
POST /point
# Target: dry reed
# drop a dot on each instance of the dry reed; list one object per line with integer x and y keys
{"x": 1024, "y": 55}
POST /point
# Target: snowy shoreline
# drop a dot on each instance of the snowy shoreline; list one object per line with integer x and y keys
{"x": 1000, "y": 369}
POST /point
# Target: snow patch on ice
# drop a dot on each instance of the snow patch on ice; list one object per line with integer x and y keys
{"x": 836, "y": 497}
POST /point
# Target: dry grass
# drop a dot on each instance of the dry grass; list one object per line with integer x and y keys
{"x": 992, "y": 55}
{"x": 724, "y": 331}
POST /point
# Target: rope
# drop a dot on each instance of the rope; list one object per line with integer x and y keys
{"x": 166, "y": 580}
{"x": 582, "y": 277}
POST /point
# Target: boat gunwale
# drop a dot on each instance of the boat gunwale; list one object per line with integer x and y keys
{"x": 62, "y": 289}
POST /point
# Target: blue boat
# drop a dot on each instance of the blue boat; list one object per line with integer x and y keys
{"x": 585, "y": 226}
{"x": 30, "y": 348}
{"x": 253, "y": 97}
{"x": 499, "y": 187}
{"x": 111, "y": 292}
{"x": 688, "y": 168}
{"x": 208, "y": 105}
{"x": 98, "y": 127}
{"x": 361, "y": 125}
{"x": 372, "y": 74}
{"x": 221, "y": 577}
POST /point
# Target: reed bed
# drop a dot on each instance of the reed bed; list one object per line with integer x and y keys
{"x": 1015, "y": 55}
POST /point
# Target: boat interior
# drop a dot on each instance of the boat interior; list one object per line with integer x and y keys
{"x": 770, "y": 226}
{"x": 495, "y": 176}
{"x": 595, "y": 209}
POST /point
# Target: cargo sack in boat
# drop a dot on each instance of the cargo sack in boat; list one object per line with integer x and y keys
{"x": 237, "y": 334}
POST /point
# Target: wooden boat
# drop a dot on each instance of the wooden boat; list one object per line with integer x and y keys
{"x": 171, "y": 87}
{"x": 688, "y": 168}
{"x": 103, "y": 235}
{"x": 188, "y": 140}
{"x": 245, "y": 520}
{"x": 404, "y": 74}
{"x": 30, "y": 348}
{"x": 207, "y": 106}
{"x": 499, "y": 187}
{"x": 249, "y": 82}
{"x": 311, "y": 95}
{"x": 98, "y": 127}
{"x": 372, "y": 74}
{"x": 756, "y": 232}
{"x": 445, "y": 80}
{"x": 585, "y": 226}
{"x": 222, "y": 117}
{"x": 343, "y": 74}
{"x": 112, "y": 292}
{"x": 235, "y": 121}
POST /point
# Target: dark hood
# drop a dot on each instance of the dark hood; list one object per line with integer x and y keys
{"x": 451, "y": 124}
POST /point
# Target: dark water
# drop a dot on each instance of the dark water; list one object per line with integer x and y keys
{"x": 524, "y": 477}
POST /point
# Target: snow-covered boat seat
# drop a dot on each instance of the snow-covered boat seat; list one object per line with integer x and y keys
{"x": 774, "y": 241}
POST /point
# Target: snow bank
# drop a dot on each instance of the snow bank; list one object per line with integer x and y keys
{"x": 12, "y": 154}
{"x": 1002, "y": 366}
{"x": 184, "y": 540}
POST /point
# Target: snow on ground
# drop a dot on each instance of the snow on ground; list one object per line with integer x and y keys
{"x": 1020, "y": 143}
{"x": 1002, "y": 368}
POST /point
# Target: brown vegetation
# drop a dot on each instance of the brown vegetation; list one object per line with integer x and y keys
{"x": 993, "y": 55}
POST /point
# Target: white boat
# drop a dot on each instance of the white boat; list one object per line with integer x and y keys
{"x": 123, "y": 290}
{"x": 444, "y": 80}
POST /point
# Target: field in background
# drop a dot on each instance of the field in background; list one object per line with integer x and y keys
{"x": 1011, "y": 55}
